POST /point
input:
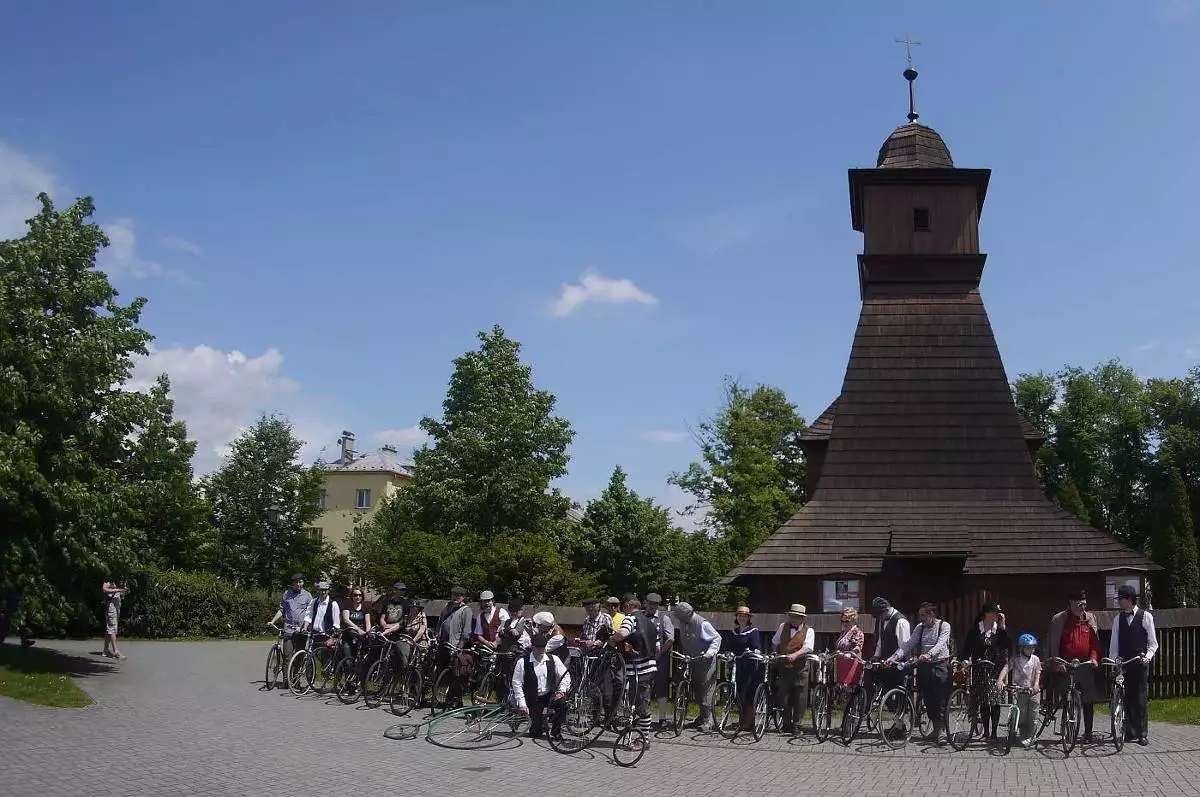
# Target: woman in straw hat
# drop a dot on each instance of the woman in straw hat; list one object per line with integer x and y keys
{"x": 746, "y": 638}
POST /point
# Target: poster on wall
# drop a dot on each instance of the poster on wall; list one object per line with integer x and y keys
{"x": 1113, "y": 583}
{"x": 840, "y": 594}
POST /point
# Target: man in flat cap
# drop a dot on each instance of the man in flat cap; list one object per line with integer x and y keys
{"x": 701, "y": 642}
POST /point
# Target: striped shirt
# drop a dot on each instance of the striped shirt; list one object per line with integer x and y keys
{"x": 636, "y": 664}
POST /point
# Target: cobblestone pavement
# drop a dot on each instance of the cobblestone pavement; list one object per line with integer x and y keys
{"x": 179, "y": 718}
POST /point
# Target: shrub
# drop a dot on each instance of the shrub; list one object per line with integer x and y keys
{"x": 175, "y": 603}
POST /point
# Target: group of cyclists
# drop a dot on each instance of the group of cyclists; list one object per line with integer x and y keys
{"x": 630, "y": 654}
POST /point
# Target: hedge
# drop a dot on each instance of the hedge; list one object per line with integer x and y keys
{"x": 162, "y": 604}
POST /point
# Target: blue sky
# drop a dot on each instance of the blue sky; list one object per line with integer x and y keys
{"x": 324, "y": 206}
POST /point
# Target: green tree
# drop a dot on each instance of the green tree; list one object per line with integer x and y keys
{"x": 1067, "y": 496}
{"x": 1174, "y": 547}
{"x": 751, "y": 476}
{"x": 1175, "y": 412}
{"x": 492, "y": 457}
{"x": 166, "y": 505}
{"x": 262, "y": 475}
{"x": 66, "y": 346}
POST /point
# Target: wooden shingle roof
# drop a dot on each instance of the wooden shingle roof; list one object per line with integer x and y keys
{"x": 928, "y": 455}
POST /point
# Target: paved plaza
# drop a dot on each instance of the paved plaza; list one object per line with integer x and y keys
{"x": 180, "y": 718}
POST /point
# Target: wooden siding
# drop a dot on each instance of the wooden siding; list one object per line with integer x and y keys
{"x": 888, "y": 219}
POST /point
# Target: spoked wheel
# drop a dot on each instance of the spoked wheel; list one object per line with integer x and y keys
{"x": 960, "y": 719}
{"x": 1072, "y": 714}
{"x": 407, "y": 693}
{"x": 822, "y": 712}
{"x": 762, "y": 712}
{"x": 922, "y": 722}
{"x": 852, "y": 715}
{"x": 469, "y": 728}
{"x": 377, "y": 684}
{"x": 274, "y": 667}
{"x": 724, "y": 703}
{"x": 868, "y": 713}
{"x": 349, "y": 688}
{"x": 679, "y": 717}
{"x": 894, "y": 718}
{"x": 1006, "y": 731}
{"x": 323, "y": 670}
{"x": 482, "y": 695}
{"x": 584, "y": 720}
{"x": 441, "y": 691}
{"x": 300, "y": 672}
{"x": 629, "y": 747}
{"x": 1116, "y": 716}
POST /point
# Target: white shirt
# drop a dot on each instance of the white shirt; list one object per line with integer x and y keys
{"x": 316, "y": 614}
{"x": 1022, "y": 669}
{"x": 479, "y": 621}
{"x": 1151, "y": 636}
{"x": 540, "y": 671}
{"x": 903, "y": 632}
{"x": 555, "y": 642}
{"x": 809, "y": 637}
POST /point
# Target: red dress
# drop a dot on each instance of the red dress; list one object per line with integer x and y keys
{"x": 851, "y": 641}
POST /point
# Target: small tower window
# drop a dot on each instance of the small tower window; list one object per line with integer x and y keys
{"x": 920, "y": 219}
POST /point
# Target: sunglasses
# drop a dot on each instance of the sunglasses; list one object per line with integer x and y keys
{"x": 356, "y": 594}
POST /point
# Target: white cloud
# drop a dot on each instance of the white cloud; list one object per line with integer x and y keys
{"x": 665, "y": 435}
{"x": 595, "y": 287}
{"x": 181, "y": 245}
{"x": 409, "y": 437}
{"x": 21, "y": 179}
{"x": 122, "y": 259}
{"x": 220, "y": 393}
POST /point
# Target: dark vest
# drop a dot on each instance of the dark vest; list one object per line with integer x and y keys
{"x": 1131, "y": 639}
{"x": 886, "y": 633}
{"x": 553, "y": 674}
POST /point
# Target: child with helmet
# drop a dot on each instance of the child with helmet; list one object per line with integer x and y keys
{"x": 1026, "y": 670}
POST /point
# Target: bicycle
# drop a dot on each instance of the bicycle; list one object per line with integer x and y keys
{"x": 1071, "y": 703}
{"x": 380, "y": 679}
{"x": 822, "y": 694}
{"x": 1116, "y": 698}
{"x": 903, "y": 705}
{"x": 351, "y": 672}
{"x": 408, "y": 690}
{"x": 490, "y": 666}
{"x": 309, "y": 664}
{"x": 968, "y": 713}
{"x": 765, "y": 711}
{"x": 1010, "y": 716}
{"x": 683, "y": 689}
{"x": 725, "y": 697}
{"x": 275, "y": 662}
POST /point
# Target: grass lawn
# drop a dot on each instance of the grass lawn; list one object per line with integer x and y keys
{"x": 36, "y": 676}
{"x": 1179, "y": 710}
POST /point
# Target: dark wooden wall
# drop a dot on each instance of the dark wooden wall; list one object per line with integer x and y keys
{"x": 888, "y": 219}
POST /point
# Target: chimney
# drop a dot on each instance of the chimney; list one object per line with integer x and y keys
{"x": 346, "y": 441}
{"x": 389, "y": 449}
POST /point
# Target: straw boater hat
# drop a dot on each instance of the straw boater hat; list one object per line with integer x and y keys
{"x": 743, "y": 610}
{"x": 798, "y": 608}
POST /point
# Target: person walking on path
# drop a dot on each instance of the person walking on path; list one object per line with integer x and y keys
{"x": 112, "y": 614}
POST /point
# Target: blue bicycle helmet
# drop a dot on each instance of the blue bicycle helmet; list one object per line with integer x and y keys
{"x": 1027, "y": 640}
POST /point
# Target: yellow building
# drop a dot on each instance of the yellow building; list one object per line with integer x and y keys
{"x": 355, "y": 485}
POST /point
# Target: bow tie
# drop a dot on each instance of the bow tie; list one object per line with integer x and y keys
{"x": 1127, "y": 614}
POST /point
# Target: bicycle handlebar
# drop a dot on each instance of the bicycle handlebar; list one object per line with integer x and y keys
{"x": 1073, "y": 663}
{"x": 1107, "y": 662}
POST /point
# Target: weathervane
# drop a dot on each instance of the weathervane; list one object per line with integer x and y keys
{"x": 910, "y": 75}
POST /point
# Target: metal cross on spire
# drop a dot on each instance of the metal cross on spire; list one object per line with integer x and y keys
{"x": 910, "y": 75}
{"x": 909, "y": 42}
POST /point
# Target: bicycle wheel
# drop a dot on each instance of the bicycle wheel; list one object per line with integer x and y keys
{"x": 922, "y": 723}
{"x": 348, "y": 686}
{"x": 1116, "y": 716}
{"x": 584, "y": 720}
{"x": 762, "y": 711}
{"x": 723, "y": 707}
{"x": 441, "y": 691}
{"x": 274, "y": 667}
{"x": 1007, "y": 729}
{"x": 300, "y": 672}
{"x": 1072, "y": 714}
{"x": 852, "y": 715}
{"x": 894, "y": 718}
{"x": 406, "y": 695}
{"x": 469, "y": 728}
{"x": 679, "y": 717}
{"x": 629, "y": 747}
{"x": 377, "y": 684}
{"x": 323, "y": 669}
{"x": 960, "y": 719}
{"x": 821, "y": 711}
{"x": 869, "y": 707}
